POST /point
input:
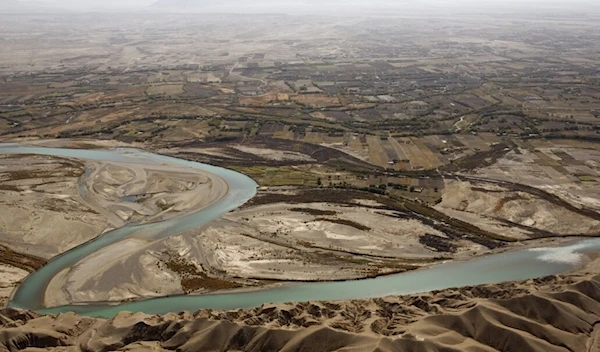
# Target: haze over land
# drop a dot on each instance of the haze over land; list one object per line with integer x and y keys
{"x": 389, "y": 140}
{"x": 301, "y": 6}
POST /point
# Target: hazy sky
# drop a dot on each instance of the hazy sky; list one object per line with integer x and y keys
{"x": 239, "y": 5}
{"x": 81, "y": 4}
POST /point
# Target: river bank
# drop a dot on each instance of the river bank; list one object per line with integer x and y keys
{"x": 170, "y": 243}
{"x": 128, "y": 188}
{"x": 551, "y": 314}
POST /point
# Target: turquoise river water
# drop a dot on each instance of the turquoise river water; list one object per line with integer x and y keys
{"x": 507, "y": 266}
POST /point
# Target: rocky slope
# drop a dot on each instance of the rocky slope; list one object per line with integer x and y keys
{"x": 557, "y": 313}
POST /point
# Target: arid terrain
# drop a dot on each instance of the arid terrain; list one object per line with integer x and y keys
{"x": 283, "y": 234}
{"x": 51, "y": 205}
{"x": 380, "y": 144}
{"x": 558, "y": 313}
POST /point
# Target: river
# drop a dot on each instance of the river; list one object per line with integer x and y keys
{"x": 507, "y": 266}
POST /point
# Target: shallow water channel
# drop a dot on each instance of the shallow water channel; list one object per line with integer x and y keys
{"x": 508, "y": 266}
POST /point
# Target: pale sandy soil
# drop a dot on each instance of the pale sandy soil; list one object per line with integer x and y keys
{"x": 48, "y": 205}
{"x": 78, "y": 144}
{"x": 41, "y": 211}
{"x": 10, "y": 277}
{"x": 218, "y": 152}
{"x": 110, "y": 275}
{"x": 274, "y": 241}
{"x": 362, "y": 154}
{"x": 269, "y": 242}
{"x": 485, "y": 205}
{"x": 552, "y": 314}
{"x": 306, "y": 242}
{"x": 266, "y": 242}
{"x": 148, "y": 193}
{"x": 272, "y": 154}
{"x": 166, "y": 191}
{"x": 40, "y": 196}
{"x": 522, "y": 167}
{"x": 383, "y": 235}
{"x": 278, "y": 241}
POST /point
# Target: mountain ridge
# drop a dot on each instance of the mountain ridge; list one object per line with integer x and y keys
{"x": 552, "y": 314}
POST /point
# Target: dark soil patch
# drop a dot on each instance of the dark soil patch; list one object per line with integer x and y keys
{"x": 439, "y": 243}
{"x": 11, "y": 188}
{"x": 23, "y": 261}
{"x": 517, "y": 187}
{"x": 481, "y": 159}
{"x": 197, "y": 90}
{"x": 193, "y": 279}
{"x": 314, "y": 212}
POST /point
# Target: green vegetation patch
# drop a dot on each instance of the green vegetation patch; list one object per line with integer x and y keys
{"x": 587, "y": 178}
{"x": 278, "y": 176}
{"x": 23, "y": 261}
{"x": 315, "y": 212}
{"x": 193, "y": 279}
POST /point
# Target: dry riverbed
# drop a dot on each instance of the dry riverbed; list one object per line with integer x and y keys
{"x": 271, "y": 243}
{"x": 282, "y": 235}
{"x": 49, "y": 205}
